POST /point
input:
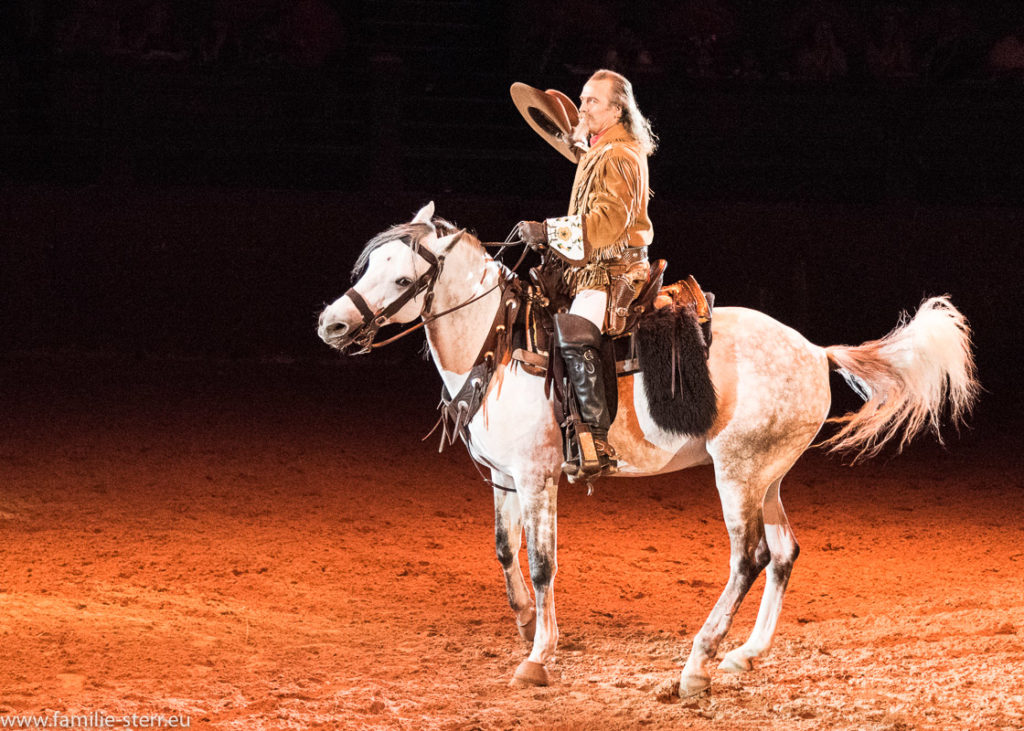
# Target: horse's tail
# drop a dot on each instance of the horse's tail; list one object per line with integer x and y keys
{"x": 906, "y": 378}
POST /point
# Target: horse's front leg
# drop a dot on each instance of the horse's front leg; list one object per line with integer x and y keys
{"x": 508, "y": 537}
{"x": 538, "y": 499}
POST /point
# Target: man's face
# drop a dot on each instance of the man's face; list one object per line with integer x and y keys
{"x": 596, "y": 110}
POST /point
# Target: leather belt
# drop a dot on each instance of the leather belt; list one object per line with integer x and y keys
{"x": 632, "y": 255}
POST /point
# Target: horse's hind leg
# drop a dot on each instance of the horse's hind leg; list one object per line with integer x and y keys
{"x": 743, "y": 520}
{"x": 508, "y": 537}
{"x": 784, "y": 549}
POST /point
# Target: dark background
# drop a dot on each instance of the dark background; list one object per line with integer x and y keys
{"x": 184, "y": 180}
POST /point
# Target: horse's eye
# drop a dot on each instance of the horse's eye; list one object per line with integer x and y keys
{"x": 403, "y": 282}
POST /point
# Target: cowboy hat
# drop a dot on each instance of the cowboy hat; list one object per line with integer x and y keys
{"x": 551, "y": 114}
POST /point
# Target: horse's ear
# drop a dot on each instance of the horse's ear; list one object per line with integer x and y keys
{"x": 447, "y": 243}
{"x": 425, "y": 215}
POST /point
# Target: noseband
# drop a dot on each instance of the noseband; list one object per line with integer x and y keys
{"x": 365, "y": 331}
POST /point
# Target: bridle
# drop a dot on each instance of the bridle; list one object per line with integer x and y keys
{"x": 364, "y": 332}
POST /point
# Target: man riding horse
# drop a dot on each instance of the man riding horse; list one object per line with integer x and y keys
{"x": 603, "y": 239}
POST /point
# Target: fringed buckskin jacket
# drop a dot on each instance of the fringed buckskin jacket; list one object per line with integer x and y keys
{"x": 607, "y": 210}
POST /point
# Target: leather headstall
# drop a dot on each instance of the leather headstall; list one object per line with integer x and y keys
{"x": 363, "y": 334}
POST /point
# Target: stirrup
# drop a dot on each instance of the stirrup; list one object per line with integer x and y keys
{"x": 597, "y": 458}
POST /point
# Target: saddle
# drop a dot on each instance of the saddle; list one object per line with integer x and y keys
{"x": 533, "y": 331}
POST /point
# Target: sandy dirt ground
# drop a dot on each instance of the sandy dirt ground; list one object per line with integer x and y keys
{"x": 272, "y": 547}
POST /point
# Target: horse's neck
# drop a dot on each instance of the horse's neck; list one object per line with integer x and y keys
{"x": 456, "y": 338}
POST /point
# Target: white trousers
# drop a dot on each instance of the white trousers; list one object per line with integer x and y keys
{"x": 591, "y": 304}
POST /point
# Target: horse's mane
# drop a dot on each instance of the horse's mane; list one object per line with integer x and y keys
{"x": 413, "y": 232}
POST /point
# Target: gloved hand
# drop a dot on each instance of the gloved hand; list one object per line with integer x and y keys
{"x": 533, "y": 233}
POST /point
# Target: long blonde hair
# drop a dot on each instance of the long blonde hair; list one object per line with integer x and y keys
{"x": 634, "y": 122}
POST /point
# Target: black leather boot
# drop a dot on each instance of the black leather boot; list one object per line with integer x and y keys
{"x": 579, "y": 341}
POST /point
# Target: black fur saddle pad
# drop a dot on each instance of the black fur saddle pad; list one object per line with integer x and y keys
{"x": 672, "y": 355}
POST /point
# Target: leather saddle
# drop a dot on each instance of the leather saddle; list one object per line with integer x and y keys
{"x": 533, "y": 332}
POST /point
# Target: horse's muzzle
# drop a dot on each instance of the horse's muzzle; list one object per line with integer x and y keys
{"x": 334, "y": 333}
{"x": 346, "y": 339}
{"x": 333, "y": 330}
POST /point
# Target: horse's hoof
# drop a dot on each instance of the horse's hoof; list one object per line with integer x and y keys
{"x": 735, "y": 663}
{"x": 529, "y": 628}
{"x": 531, "y": 673}
{"x": 691, "y": 685}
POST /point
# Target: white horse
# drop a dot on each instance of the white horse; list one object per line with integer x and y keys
{"x": 773, "y": 396}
